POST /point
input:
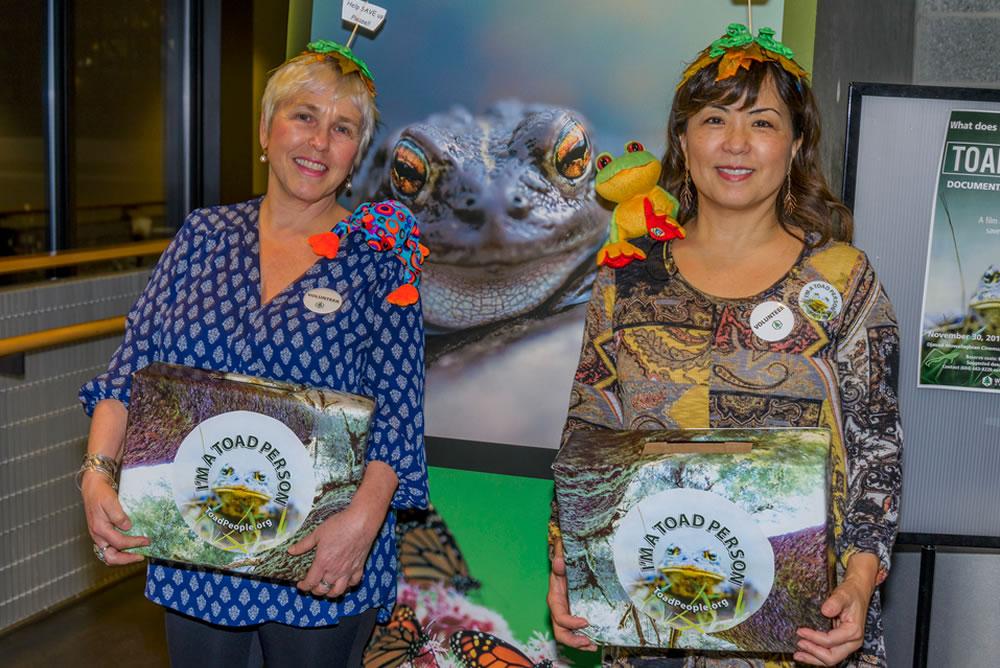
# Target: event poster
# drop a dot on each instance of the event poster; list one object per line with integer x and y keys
{"x": 960, "y": 326}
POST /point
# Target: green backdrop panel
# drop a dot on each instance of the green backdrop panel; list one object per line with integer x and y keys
{"x": 499, "y": 522}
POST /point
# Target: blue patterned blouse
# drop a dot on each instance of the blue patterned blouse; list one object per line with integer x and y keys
{"x": 202, "y": 308}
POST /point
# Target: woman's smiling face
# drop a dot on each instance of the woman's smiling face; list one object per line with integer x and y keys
{"x": 738, "y": 157}
{"x": 311, "y": 143}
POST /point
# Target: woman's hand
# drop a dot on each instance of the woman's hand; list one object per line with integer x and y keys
{"x": 343, "y": 541}
{"x": 106, "y": 520}
{"x": 847, "y": 606}
{"x": 564, "y": 624}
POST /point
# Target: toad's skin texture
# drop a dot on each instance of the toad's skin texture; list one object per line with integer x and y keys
{"x": 641, "y": 206}
{"x": 239, "y": 493}
{"x": 506, "y": 205}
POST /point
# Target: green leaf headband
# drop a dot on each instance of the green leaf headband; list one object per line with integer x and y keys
{"x": 739, "y": 49}
{"x": 345, "y": 58}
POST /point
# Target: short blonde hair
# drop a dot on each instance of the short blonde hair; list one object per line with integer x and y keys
{"x": 303, "y": 73}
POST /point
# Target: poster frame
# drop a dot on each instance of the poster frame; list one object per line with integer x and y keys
{"x": 855, "y": 99}
{"x": 928, "y": 543}
{"x": 857, "y": 92}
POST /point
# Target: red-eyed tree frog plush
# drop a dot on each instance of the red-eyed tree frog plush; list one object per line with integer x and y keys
{"x": 641, "y": 206}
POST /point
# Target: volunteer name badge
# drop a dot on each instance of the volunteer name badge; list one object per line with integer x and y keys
{"x": 772, "y": 321}
{"x": 693, "y": 560}
{"x": 820, "y": 301}
{"x": 243, "y": 482}
{"x": 322, "y": 300}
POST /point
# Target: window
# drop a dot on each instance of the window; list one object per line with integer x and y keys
{"x": 22, "y": 128}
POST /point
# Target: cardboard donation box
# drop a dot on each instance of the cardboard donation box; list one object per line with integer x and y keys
{"x": 714, "y": 539}
{"x": 227, "y": 471}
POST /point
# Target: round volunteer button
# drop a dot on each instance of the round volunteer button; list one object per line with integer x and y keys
{"x": 322, "y": 300}
{"x": 772, "y": 321}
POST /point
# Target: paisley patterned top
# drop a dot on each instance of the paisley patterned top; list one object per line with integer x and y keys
{"x": 660, "y": 354}
{"x": 202, "y": 309}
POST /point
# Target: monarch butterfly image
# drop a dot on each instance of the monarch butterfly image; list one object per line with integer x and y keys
{"x": 476, "y": 649}
{"x": 428, "y": 552}
{"x": 399, "y": 642}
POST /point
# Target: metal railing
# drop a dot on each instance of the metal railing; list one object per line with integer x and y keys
{"x": 56, "y": 336}
{"x": 72, "y": 258}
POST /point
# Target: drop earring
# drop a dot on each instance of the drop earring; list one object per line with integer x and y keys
{"x": 263, "y": 156}
{"x": 687, "y": 197}
{"x": 789, "y": 202}
{"x": 347, "y": 186}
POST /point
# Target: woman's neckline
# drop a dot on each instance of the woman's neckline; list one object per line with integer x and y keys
{"x": 320, "y": 260}
{"x": 670, "y": 266}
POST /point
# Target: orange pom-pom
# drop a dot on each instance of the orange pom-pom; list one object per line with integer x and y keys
{"x": 326, "y": 244}
{"x": 404, "y": 295}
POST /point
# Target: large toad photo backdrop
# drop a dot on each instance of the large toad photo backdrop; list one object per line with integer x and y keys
{"x": 492, "y": 115}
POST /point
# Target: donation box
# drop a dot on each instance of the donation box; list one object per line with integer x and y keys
{"x": 714, "y": 539}
{"x": 227, "y": 471}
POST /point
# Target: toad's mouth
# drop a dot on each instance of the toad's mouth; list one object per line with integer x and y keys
{"x": 241, "y": 492}
{"x": 691, "y": 573}
{"x": 462, "y": 296}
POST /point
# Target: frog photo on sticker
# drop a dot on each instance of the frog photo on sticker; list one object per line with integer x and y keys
{"x": 820, "y": 301}
{"x": 242, "y": 482}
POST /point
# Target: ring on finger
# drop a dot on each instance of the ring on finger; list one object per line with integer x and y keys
{"x": 99, "y": 553}
{"x": 323, "y": 583}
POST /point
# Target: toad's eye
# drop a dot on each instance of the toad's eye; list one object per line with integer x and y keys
{"x": 409, "y": 168}
{"x": 673, "y": 551}
{"x": 710, "y": 556}
{"x": 227, "y": 470}
{"x": 603, "y": 160}
{"x": 634, "y": 147}
{"x": 258, "y": 476}
{"x": 572, "y": 150}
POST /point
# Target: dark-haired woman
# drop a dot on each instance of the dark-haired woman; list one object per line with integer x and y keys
{"x": 671, "y": 342}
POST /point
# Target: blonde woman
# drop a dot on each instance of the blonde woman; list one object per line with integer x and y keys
{"x": 228, "y": 295}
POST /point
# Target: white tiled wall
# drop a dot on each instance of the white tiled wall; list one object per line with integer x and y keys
{"x": 45, "y": 551}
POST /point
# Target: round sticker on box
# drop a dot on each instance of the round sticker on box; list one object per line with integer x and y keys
{"x": 772, "y": 321}
{"x": 693, "y": 560}
{"x": 243, "y": 481}
{"x": 820, "y": 301}
{"x": 322, "y": 300}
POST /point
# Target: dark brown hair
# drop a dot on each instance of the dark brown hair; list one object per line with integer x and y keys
{"x": 817, "y": 210}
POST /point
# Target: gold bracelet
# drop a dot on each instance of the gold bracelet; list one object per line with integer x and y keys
{"x": 555, "y": 533}
{"x": 102, "y": 464}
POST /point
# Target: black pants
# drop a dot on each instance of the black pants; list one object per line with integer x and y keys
{"x": 194, "y": 643}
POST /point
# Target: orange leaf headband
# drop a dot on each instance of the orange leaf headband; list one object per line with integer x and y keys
{"x": 739, "y": 49}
